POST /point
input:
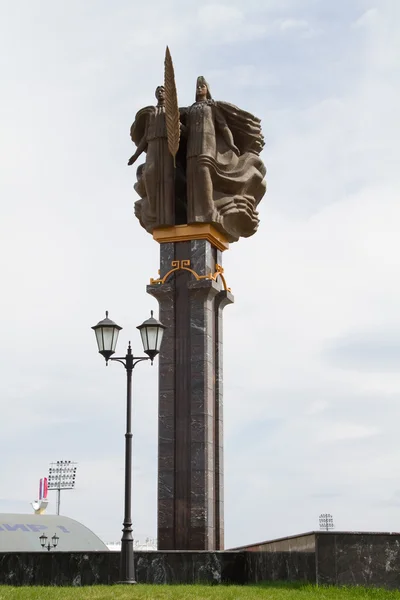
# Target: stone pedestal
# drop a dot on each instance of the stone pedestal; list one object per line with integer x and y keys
{"x": 192, "y": 294}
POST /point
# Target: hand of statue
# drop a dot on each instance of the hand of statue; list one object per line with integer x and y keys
{"x": 236, "y": 150}
{"x": 132, "y": 160}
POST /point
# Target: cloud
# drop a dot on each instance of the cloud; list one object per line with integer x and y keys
{"x": 290, "y": 24}
{"x": 311, "y": 412}
{"x": 379, "y": 352}
{"x": 300, "y": 26}
{"x": 326, "y": 495}
{"x": 344, "y": 431}
{"x": 368, "y": 18}
{"x": 246, "y": 76}
{"x": 317, "y": 406}
{"x": 392, "y": 502}
{"x": 219, "y": 16}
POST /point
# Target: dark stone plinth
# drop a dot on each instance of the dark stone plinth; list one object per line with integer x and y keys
{"x": 336, "y": 558}
{"x": 190, "y": 459}
{"x": 280, "y": 566}
{"x": 190, "y": 567}
{"x": 59, "y": 568}
{"x": 367, "y": 559}
{"x": 102, "y": 568}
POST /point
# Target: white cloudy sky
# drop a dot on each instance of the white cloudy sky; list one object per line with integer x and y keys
{"x": 312, "y": 353}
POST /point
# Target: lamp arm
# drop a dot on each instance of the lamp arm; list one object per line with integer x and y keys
{"x": 120, "y": 360}
{"x": 138, "y": 359}
{"x": 134, "y": 360}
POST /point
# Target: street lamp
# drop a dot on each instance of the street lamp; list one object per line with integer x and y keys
{"x": 43, "y": 539}
{"x": 107, "y": 332}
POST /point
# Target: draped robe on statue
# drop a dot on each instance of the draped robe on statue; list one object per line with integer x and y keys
{"x": 155, "y": 183}
{"x": 223, "y": 188}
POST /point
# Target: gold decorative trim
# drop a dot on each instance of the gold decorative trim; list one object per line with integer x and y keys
{"x": 184, "y": 265}
{"x": 196, "y": 231}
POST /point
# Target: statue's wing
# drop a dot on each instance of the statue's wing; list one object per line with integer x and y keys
{"x": 171, "y": 106}
{"x": 245, "y": 127}
{"x": 138, "y": 128}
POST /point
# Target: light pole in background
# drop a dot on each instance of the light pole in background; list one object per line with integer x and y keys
{"x": 45, "y": 544}
{"x": 61, "y": 477}
{"x": 326, "y": 521}
{"x": 107, "y": 332}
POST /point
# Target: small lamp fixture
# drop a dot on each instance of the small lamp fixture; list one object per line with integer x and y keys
{"x": 152, "y": 332}
{"x": 107, "y": 335}
{"x": 43, "y": 541}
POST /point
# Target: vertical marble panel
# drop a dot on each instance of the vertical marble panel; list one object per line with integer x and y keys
{"x": 366, "y": 559}
{"x": 202, "y": 295}
{"x": 202, "y": 257}
{"x": 167, "y": 255}
{"x": 182, "y": 400}
{"x": 222, "y": 299}
{"x": 165, "y": 295}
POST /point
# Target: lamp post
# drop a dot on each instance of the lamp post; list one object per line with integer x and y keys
{"x": 43, "y": 539}
{"x": 107, "y": 332}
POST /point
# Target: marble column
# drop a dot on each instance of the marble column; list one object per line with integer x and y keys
{"x": 190, "y": 441}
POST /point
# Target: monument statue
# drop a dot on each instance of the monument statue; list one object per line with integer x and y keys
{"x": 199, "y": 190}
{"x": 155, "y": 179}
{"x": 225, "y": 175}
{"x": 215, "y": 176}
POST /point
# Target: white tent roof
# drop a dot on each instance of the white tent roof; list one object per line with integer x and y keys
{"x": 20, "y": 533}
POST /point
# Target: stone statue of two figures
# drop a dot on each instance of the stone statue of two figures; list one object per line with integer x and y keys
{"x": 217, "y": 175}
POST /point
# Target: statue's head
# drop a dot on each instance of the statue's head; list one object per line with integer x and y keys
{"x": 202, "y": 89}
{"x": 160, "y": 93}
